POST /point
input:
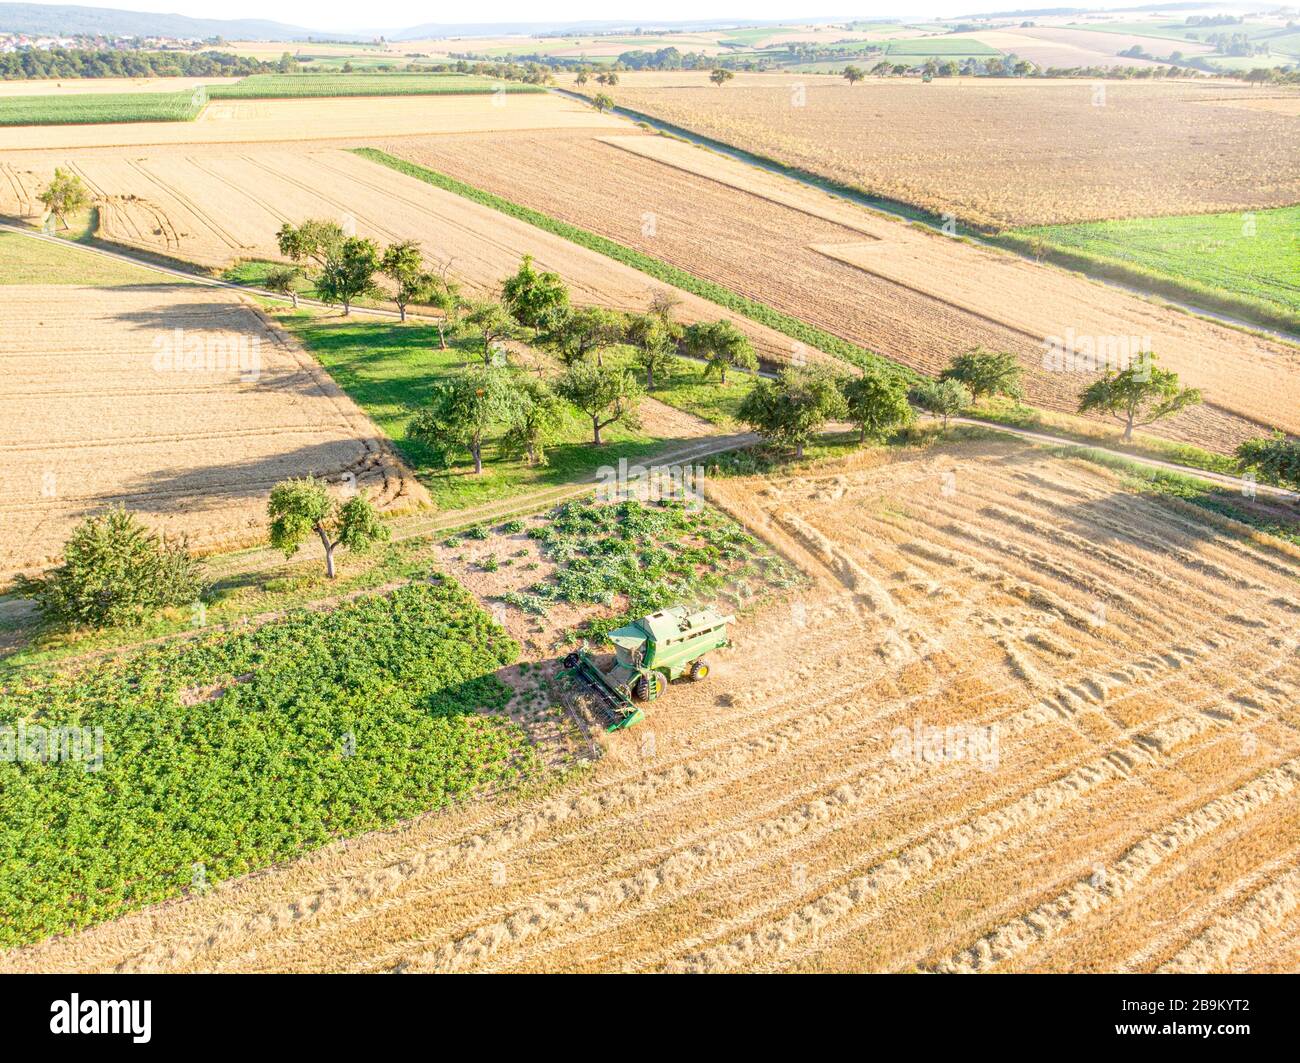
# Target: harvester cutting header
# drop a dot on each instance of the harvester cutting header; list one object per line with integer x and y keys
{"x": 648, "y": 654}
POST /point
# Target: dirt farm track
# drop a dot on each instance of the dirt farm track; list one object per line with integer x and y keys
{"x": 1021, "y": 721}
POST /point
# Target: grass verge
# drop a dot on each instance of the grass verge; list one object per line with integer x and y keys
{"x": 388, "y": 368}
{"x": 27, "y": 261}
{"x": 1001, "y": 411}
{"x": 1272, "y": 518}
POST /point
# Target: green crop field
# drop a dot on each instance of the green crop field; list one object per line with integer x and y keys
{"x": 647, "y": 556}
{"x": 1254, "y": 256}
{"x": 230, "y": 752}
{"x": 298, "y": 86}
{"x": 940, "y": 46}
{"x": 90, "y": 108}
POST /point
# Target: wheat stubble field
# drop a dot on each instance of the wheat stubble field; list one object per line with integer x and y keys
{"x": 1128, "y": 796}
{"x": 183, "y": 403}
{"x": 214, "y": 206}
{"x": 1004, "y": 152}
{"x": 909, "y": 293}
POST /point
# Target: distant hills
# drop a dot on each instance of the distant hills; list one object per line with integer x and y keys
{"x": 71, "y": 21}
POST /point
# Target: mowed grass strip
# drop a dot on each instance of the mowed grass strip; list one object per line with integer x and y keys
{"x": 94, "y": 108}
{"x": 1241, "y": 260}
{"x": 302, "y": 86}
{"x": 24, "y": 260}
{"x": 656, "y": 268}
{"x": 228, "y": 753}
{"x": 389, "y": 370}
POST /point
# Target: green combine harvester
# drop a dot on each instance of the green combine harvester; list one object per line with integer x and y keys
{"x": 648, "y": 654}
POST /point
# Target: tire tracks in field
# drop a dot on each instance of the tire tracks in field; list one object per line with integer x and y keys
{"x": 1139, "y": 747}
{"x": 1212, "y": 948}
{"x": 1126, "y": 874}
{"x": 811, "y": 820}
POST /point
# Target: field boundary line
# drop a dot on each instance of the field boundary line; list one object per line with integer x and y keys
{"x": 662, "y": 271}
{"x": 1010, "y": 242}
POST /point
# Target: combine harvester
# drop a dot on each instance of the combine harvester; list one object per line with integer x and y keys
{"x": 648, "y": 654}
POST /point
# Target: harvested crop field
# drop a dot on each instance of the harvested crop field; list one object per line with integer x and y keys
{"x": 214, "y": 206}
{"x": 1057, "y": 46}
{"x": 1023, "y": 721}
{"x": 350, "y": 118}
{"x": 904, "y": 291}
{"x": 183, "y": 403}
{"x": 1005, "y": 152}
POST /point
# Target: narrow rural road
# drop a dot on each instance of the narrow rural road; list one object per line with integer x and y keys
{"x": 1237, "y": 482}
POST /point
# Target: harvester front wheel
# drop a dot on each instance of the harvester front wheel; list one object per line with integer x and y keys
{"x": 699, "y": 670}
{"x": 642, "y": 689}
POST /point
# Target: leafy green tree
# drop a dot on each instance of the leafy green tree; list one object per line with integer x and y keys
{"x": 350, "y": 273}
{"x": 854, "y": 74}
{"x": 535, "y": 419}
{"x": 876, "y": 403}
{"x": 602, "y": 101}
{"x": 720, "y": 76}
{"x": 1275, "y": 458}
{"x": 300, "y": 507}
{"x": 314, "y": 240}
{"x": 464, "y": 410}
{"x": 283, "y": 280}
{"x": 494, "y": 323}
{"x": 537, "y": 300}
{"x": 114, "y": 571}
{"x": 581, "y": 79}
{"x": 403, "y": 264}
{"x": 791, "y": 409}
{"x": 605, "y": 393}
{"x": 722, "y": 346}
{"x": 64, "y": 195}
{"x": 656, "y": 350}
{"x": 588, "y": 329}
{"x": 1139, "y": 395}
{"x": 941, "y": 398}
{"x": 986, "y": 373}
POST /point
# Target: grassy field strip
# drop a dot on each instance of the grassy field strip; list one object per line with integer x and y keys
{"x": 662, "y": 271}
{"x": 306, "y": 86}
{"x": 1242, "y": 262}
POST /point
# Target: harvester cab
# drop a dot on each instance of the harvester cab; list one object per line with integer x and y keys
{"x": 648, "y": 654}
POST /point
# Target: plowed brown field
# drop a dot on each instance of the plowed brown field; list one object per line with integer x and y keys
{"x": 1006, "y": 151}
{"x": 911, "y": 294}
{"x": 94, "y": 411}
{"x": 215, "y": 206}
{"x": 1114, "y": 785}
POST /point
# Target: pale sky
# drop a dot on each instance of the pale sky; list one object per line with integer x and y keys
{"x": 338, "y": 16}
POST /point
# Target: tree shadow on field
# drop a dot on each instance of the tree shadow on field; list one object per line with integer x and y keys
{"x": 211, "y": 482}
{"x": 1150, "y": 522}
